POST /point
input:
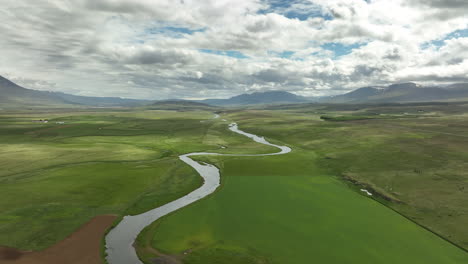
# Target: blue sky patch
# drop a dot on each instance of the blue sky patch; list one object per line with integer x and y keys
{"x": 440, "y": 42}
{"x": 299, "y": 9}
{"x": 339, "y": 49}
{"x": 184, "y": 30}
{"x": 287, "y": 54}
{"x": 174, "y": 32}
{"x": 229, "y": 53}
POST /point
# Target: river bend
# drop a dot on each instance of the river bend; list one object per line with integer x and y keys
{"x": 120, "y": 240}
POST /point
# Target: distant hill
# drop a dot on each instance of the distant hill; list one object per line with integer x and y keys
{"x": 13, "y": 95}
{"x": 395, "y": 93}
{"x": 403, "y": 93}
{"x": 102, "y": 101}
{"x": 271, "y": 97}
{"x": 180, "y": 105}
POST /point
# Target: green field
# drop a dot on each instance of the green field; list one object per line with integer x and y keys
{"x": 302, "y": 208}
{"x": 55, "y": 177}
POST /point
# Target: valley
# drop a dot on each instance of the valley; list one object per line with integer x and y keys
{"x": 125, "y": 162}
{"x": 234, "y": 132}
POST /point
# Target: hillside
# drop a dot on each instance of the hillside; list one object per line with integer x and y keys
{"x": 180, "y": 105}
{"x": 403, "y": 93}
{"x": 271, "y": 97}
{"x": 13, "y": 95}
{"x": 395, "y": 93}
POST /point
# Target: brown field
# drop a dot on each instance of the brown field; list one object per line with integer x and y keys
{"x": 83, "y": 246}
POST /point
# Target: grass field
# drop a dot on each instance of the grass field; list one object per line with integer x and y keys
{"x": 419, "y": 161}
{"x": 299, "y": 208}
{"x": 303, "y": 207}
{"x": 55, "y": 177}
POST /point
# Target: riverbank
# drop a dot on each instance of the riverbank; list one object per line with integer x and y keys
{"x": 120, "y": 240}
{"x": 83, "y": 246}
{"x": 294, "y": 208}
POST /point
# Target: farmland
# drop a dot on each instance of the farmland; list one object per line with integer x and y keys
{"x": 296, "y": 207}
{"x": 55, "y": 177}
{"x": 304, "y": 206}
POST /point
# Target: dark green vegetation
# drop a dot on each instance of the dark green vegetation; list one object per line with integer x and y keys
{"x": 307, "y": 207}
{"x": 303, "y": 207}
{"x": 56, "y": 176}
{"x": 361, "y": 117}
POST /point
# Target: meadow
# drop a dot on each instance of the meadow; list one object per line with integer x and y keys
{"x": 303, "y": 207}
{"x": 57, "y": 175}
{"x": 307, "y": 206}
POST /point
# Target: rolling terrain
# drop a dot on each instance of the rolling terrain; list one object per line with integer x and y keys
{"x": 181, "y": 105}
{"x": 308, "y": 205}
{"x": 234, "y": 132}
{"x": 58, "y": 176}
{"x": 402, "y": 93}
{"x": 395, "y": 93}
{"x": 15, "y": 96}
{"x": 271, "y": 97}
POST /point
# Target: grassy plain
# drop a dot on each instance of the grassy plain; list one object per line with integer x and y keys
{"x": 303, "y": 207}
{"x": 56, "y": 176}
{"x": 300, "y": 208}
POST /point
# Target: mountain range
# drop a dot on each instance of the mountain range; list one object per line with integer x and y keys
{"x": 13, "y": 95}
{"x": 395, "y": 93}
{"x": 402, "y": 93}
{"x": 270, "y": 97}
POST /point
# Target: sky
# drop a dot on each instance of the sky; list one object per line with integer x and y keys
{"x": 161, "y": 49}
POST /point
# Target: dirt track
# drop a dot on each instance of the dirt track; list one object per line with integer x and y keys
{"x": 83, "y": 246}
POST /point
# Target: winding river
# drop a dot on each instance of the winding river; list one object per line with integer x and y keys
{"x": 120, "y": 240}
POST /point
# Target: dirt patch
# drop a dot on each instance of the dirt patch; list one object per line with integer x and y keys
{"x": 83, "y": 246}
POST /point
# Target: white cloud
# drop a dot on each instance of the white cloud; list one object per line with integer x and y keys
{"x": 166, "y": 49}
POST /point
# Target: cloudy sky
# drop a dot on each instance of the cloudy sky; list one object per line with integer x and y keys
{"x": 162, "y": 49}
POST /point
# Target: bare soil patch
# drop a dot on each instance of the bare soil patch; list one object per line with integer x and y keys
{"x": 83, "y": 246}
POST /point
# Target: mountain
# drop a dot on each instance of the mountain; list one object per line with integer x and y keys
{"x": 13, "y": 95}
{"x": 403, "y": 93}
{"x": 101, "y": 101}
{"x": 180, "y": 105}
{"x": 271, "y": 97}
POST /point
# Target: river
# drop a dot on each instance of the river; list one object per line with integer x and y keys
{"x": 120, "y": 240}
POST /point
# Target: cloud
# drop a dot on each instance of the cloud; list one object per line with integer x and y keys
{"x": 217, "y": 48}
{"x": 441, "y": 3}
